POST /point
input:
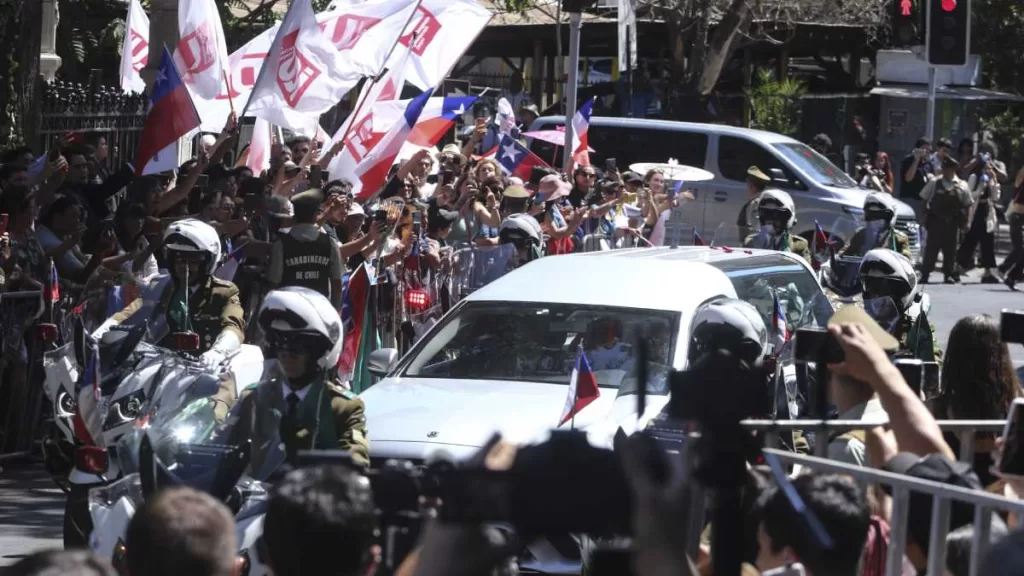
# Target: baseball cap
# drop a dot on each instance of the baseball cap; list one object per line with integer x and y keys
{"x": 632, "y": 178}
{"x": 857, "y": 315}
{"x": 936, "y": 468}
{"x": 355, "y": 209}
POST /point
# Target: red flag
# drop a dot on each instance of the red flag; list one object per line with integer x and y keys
{"x": 353, "y": 313}
{"x": 582, "y": 388}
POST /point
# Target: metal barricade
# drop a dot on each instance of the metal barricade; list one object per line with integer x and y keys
{"x": 19, "y": 312}
{"x": 474, "y": 268}
{"x": 943, "y": 495}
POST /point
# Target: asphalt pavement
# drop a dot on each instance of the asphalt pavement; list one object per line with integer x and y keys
{"x": 32, "y": 508}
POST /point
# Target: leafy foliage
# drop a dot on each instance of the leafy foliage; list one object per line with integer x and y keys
{"x": 775, "y": 105}
{"x": 996, "y": 38}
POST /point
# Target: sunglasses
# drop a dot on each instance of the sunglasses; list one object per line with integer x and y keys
{"x": 589, "y": 174}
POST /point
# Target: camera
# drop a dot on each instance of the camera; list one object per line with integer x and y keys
{"x": 1011, "y": 326}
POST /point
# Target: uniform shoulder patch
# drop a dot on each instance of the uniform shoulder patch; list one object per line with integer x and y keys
{"x": 341, "y": 390}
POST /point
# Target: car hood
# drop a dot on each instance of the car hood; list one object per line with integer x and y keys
{"x": 466, "y": 413}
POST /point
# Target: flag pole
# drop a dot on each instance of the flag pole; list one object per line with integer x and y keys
{"x": 227, "y": 83}
{"x": 576, "y": 390}
{"x": 376, "y": 77}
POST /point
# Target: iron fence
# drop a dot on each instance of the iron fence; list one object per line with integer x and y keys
{"x": 68, "y": 107}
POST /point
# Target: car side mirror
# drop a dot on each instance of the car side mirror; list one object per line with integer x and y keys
{"x": 382, "y": 361}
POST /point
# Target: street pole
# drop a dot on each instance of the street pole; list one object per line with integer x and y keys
{"x": 930, "y": 120}
{"x": 575, "y": 24}
{"x": 629, "y": 70}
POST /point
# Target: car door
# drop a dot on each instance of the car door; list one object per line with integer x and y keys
{"x": 733, "y": 156}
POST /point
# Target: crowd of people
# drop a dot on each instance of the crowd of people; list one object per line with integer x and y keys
{"x": 265, "y": 258}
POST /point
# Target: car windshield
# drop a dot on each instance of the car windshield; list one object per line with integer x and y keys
{"x": 538, "y": 343}
{"x": 815, "y": 165}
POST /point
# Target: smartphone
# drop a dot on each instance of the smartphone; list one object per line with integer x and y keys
{"x": 1011, "y": 326}
{"x": 912, "y": 370}
{"x": 447, "y": 177}
{"x": 203, "y": 181}
{"x": 815, "y": 345}
{"x": 481, "y": 122}
{"x": 381, "y": 216}
{"x": 417, "y": 224}
{"x": 610, "y": 166}
{"x": 4, "y": 221}
{"x": 1011, "y": 461}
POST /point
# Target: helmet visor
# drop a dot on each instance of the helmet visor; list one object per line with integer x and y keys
{"x": 879, "y": 287}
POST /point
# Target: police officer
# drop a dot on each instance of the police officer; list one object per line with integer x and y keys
{"x": 301, "y": 404}
{"x": 879, "y": 229}
{"x": 523, "y": 231}
{"x": 191, "y": 299}
{"x": 307, "y": 256}
{"x": 777, "y": 214}
{"x": 888, "y": 274}
{"x": 946, "y": 201}
{"x": 757, "y": 181}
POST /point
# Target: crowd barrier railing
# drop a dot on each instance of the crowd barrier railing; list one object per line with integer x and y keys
{"x": 943, "y": 495}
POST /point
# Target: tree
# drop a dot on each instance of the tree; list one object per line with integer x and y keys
{"x": 20, "y": 43}
{"x": 775, "y": 105}
{"x": 996, "y": 38}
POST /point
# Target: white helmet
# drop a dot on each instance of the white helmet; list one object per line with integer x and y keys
{"x": 880, "y": 206}
{"x": 730, "y": 324}
{"x": 774, "y": 205}
{"x": 298, "y": 313}
{"x": 518, "y": 227}
{"x": 191, "y": 235}
{"x": 887, "y": 273}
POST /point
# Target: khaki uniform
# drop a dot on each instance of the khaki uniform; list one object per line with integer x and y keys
{"x": 747, "y": 216}
{"x": 797, "y": 245}
{"x": 890, "y": 239}
{"x": 946, "y": 204}
{"x": 329, "y": 418}
{"x": 917, "y": 338}
{"x": 213, "y": 307}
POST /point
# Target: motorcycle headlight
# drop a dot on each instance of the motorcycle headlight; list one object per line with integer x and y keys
{"x": 124, "y": 410}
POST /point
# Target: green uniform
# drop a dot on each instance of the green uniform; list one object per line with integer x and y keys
{"x": 890, "y": 239}
{"x": 747, "y": 216}
{"x": 329, "y": 417}
{"x": 212, "y": 308}
{"x": 917, "y": 338}
{"x": 946, "y": 205}
{"x": 786, "y": 243}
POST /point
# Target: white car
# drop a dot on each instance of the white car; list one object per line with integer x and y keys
{"x": 500, "y": 361}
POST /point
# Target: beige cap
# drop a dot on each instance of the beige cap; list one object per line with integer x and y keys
{"x": 755, "y": 173}
{"x": 853, "y": 314}
{"x": 516, "y": 192}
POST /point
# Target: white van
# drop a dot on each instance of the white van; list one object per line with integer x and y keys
{"x": 822, "y": 191}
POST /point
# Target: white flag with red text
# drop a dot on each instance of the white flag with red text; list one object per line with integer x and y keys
{"x": 301, "y": 77}
{"x": 259, "y": 147}
{"x": 359, "y": 130}
{"x": 364, "y": 31}
{"x": 439, "y": 34}
{"x": 245, "y": 64}
{"x": 202, "y": 53}
{"x": 135, "y": 48}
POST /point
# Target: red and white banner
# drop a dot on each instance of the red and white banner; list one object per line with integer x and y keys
{"x": 202, "y": 53}
{"x": 244, "y": 65}
{"x": 439, "y": 34}
{"x": 301, "y": 77}
{"x": 361, "y": 131}
{"x": 135, "y": 48}
{"x": 364, "y": 31}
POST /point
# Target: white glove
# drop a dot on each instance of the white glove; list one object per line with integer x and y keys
{"x": 212, "y": 359}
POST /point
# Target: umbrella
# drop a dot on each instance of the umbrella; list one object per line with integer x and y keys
{"x": 556, "y": 137}
{"x": 673, "y": 170}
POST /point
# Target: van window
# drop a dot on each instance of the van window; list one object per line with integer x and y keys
{"x": 737, "y": 155}
{"x": 632, "y": 144}
{"x": 813, "y": 163}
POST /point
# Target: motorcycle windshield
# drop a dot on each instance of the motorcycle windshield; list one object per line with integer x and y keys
{"x": 884, "y": 311}
{"x": 477, "y": 267}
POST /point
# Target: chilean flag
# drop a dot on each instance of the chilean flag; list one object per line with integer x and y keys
{"x": 580, "y": 127}
{"x": 372, "y": 172}
{"x": 171, "y": 116}
{"x": 582, "y": 387}
{"x": 438, "y": 116}
{"x": 229, "y": 268}
{"x": 782, "y": 334}
{"x": 355, "y": 292}
{"x": 697, "y": 240}
{"x": 819, "y": 247}
{"x": 52, "y": 291}
{"x": 514, "y": 158}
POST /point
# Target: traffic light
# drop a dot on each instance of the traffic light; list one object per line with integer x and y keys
{"x": 907, "y": 23}
{"x": 948, "y": 41}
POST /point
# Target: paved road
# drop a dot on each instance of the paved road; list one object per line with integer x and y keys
{"x": 31, "y": 509}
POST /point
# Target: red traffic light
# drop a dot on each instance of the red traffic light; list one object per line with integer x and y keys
{"x": 949, "y": 5}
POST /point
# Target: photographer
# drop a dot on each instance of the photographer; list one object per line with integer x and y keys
{"x": 985, "y": 191}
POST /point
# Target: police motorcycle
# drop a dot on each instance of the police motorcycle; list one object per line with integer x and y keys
{"x": 191, "y": 446}
{"x": 100, "y": 387}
